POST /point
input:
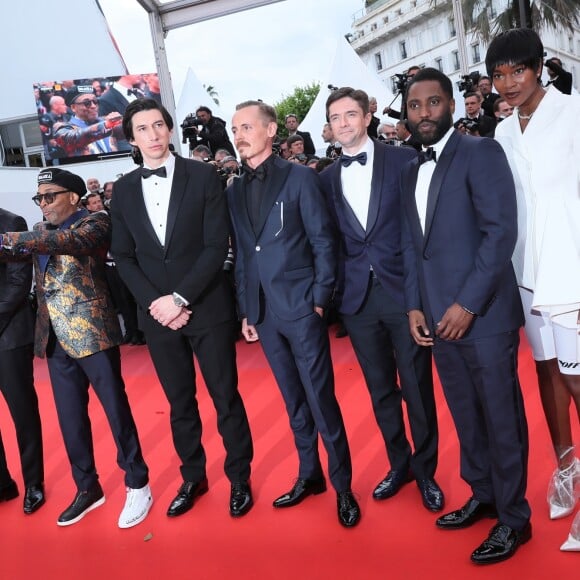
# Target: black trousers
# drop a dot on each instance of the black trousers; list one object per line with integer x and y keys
{"x": 172, "y": 354}
{"x": 17, "y": 386}
{"x": 480, "y": 382}
{"x": 70, "y": 380}
{"x": 298, "y": 352}
{"x": 385, "y": 350}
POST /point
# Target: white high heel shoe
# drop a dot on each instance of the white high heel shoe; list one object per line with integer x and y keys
{"x": 561, "y": 494}
{"x": 572, "y": 544}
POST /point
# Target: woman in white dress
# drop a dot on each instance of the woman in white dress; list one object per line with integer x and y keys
{"x": 542, "y": 142}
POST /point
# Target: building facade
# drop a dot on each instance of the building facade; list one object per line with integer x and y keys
{"x": 392, "y": 35}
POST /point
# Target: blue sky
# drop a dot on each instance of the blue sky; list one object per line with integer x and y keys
{"x": 261, "y": 53}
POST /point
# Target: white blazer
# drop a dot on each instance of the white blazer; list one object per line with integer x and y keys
{"x": 545, "y": 161}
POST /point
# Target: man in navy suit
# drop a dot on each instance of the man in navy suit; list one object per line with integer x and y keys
{"x": 363, "y": 191}
{"x": 285, "y": 275}
{"x": 459, "y": 232}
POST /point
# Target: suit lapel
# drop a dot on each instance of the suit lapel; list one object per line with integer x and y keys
{"x": 274, "y": 182}
{"x": 342, "y": 202}
{"x": 376, "y": 182}
{"x": 441, "y": 168}
{"x": 240, "y": 204}
{"x": 141, "y": 215}
{"x": 178, "y": 188}
{"x": 410, "y": 185}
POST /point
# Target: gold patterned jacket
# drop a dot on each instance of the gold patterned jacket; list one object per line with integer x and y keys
{"x": 71, "y": 286}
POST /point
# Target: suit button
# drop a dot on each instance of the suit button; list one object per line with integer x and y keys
{"x": 258, "y": 248}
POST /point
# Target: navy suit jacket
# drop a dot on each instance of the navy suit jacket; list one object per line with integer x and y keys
{"x": 464, "y": 256}
{"x": 293, "y": 256}
{"x": 379, "y": 245}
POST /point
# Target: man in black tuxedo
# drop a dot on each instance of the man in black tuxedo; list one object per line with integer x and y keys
{"x": 170, "y": 240}
{"x": 489, "y": 97}
{"x": 362, "y": 189}
{"x": 285, "y": 274}
{"x": 458, "y": 234}
{"x": 474, "y": 112}
{"x": 559, "y": 77}
{"x": 291, "y": 122}
{"x": 16, "y": 374}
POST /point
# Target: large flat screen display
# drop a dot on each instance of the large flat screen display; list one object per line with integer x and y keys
{"x": 81, "y": 119}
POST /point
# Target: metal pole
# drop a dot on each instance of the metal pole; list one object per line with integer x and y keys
{"x": 523, "y": 23}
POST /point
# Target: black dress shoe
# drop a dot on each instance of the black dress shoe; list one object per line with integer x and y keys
{"x": 501, "y": 544}
{"x": 8, "y": 491}
{"x": 240, "y": 499}
{"x": 466, "y": 516}
{"x": 33, "y": 498}
{"x": 433, "y": 498}
{"x": 185, "y": 497}
{"x": 392, "y": 483}
{"x": 348, "y": 510}
{"x": 82, "y": 504}
{"x": 138, "y": 339}
{"x": 300, "y": 491}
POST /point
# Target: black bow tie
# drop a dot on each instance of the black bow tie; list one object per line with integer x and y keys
{"x": 135, "y": 92}
{"x": 428, "y": 155}
{"x": 258, "y": 173}
{"x": 346, "y": 160}
{"x": 147, "y": 173}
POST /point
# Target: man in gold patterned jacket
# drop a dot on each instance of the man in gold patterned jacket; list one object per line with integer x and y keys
{"x": 78, "y": 331}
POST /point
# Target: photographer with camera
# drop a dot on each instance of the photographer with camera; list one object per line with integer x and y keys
{"x": 213, "y": 132}
{"x": 401, "y": 84}
{"x": 489, "y": 98}
{"x": 560, "y": 78}
{"x": 475, "y": 122}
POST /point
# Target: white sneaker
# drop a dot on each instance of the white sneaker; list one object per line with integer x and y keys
{"x": 137, "y": 506}
{"x": 561, "y": 494}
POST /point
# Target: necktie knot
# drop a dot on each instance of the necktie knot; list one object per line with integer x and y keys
{"x": 147, "y": 173}
{"x": 258, "y": 173}
{"x": 428, "y": 154}
{"x": 347, "y": 160}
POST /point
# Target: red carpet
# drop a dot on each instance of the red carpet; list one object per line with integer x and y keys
{"x": 395, "y": 539}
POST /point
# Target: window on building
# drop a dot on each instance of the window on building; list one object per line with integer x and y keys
{"x": 475, "y": 55}
{"x": 374, "y": 26}
{"x": 439, "y": 64}
{"x": 455, "y": 60}
{"x": 403, "y": 49}
{"x": 435, "y": 35}
{"x": 452, "y": 31}
{"x": 378, "y": 61}
{"x": 571, "y": 43}
{"x": 394, "y": 88}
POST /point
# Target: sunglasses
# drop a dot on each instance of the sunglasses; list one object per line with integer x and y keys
{"x": 87, "y": 102}
{"x": 49, "y": 197}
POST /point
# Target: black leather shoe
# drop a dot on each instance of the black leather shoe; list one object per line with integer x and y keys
{"x": 240, "y": 499}
{"x": 501, "y": 544}
{"x": 9, "y": 491}
{"x": 185, "y": 497}
{"x": 466, "y": 516}
{"x": 348, "y": 510}
{"x": 33, "y": 498}
{"x": 138, "y": 339}
{"x": 392, "y": 483}
{"x": 433, "y": 498}
{"x": 300, "y": 491}
{"x": 82, "y": 504}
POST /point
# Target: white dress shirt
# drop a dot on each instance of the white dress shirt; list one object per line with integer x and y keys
{"x": 424, "y": 178}
{"x": 156, "y": 194}
{"x": 356, "y": 182}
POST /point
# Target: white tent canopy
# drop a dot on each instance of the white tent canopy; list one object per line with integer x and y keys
{"x": 347, "y": 69}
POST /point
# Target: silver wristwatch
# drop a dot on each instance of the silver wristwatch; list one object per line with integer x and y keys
{"x": 178, "y": 300}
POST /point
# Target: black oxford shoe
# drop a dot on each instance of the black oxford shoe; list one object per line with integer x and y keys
{"x": 240, "y": 499}
{"x": 8, "y": 491}
{"x": 348, "y": 509}
{"x": 501, "y": 544}
{"x": 433, "y": 498}
{"x": 466, "y": 516}
{"x": 33, "y": 498}
{"x": 185, "y": 497}
{"x": 392, "y": 483}
{"x": 300, "y": 491}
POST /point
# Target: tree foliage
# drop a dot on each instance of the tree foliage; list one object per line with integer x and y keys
{"x": 555, "y": 14}
{"x": 298, "y": 103}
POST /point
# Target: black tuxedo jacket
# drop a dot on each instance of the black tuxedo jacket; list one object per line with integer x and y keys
{"x": 191, "y": 260}
{"x": 16, "y": 316}
{"x": 292, "y": 259}
{"x": 309, "y": 148}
